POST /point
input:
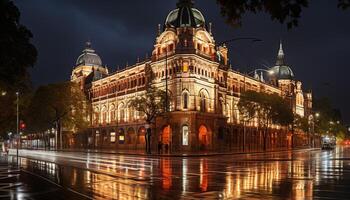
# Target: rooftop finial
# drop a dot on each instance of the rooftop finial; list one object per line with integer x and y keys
{"x": 88, "y": 44}
{"x": 210, "y": 27}
{"x": 159, "y": 29}
{"x": 183, "y": 3}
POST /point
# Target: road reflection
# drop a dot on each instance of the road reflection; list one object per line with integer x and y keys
{"x": 300, "y": 175}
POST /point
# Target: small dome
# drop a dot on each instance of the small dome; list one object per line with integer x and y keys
{"x": 89, "y": 57}
{"x": 185, "y": 16}
{"x": 282, "y": 72}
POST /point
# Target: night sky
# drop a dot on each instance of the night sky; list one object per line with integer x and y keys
{"x": 318, "y": 50}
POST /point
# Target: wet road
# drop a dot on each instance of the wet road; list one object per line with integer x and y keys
{"x": 301, "y": 174}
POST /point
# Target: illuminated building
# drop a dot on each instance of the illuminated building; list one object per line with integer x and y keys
{"x": 204, "y": 92}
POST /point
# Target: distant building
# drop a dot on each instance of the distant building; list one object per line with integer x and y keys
{"x": 204, "y": 93}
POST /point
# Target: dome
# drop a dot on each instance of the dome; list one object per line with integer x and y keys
{"x": 185, "y": 16}
{"x": 89, "y": 57}
{"x": 282, "y": 72}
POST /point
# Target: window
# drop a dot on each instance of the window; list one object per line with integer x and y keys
{"x": 185, "y": 135}
{"x": 185, "y": 100}
{"x": 131, "y": 113}
{"x": 112, "y": 137}
{"x": 203, "y": 103}
{"x": 112, "y": 113}
{"x": 121, "y": 113}
{"x": 121, "y": 136}
{"x": 104, "y": 117}
{"x": 185, "y": 67}
{"x": 121, "y": 139}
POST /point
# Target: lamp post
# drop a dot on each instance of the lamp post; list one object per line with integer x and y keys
{"x": 317, "y": 115}
{"x": 17, "y": 136}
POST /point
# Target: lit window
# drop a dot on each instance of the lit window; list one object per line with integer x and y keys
{"x": 121, "y": 139}
{"x": 121, "y": 136}
{"x": 113, "y": 137}
{"x": 185, "y": 135}
{"x": 185, "y": 67}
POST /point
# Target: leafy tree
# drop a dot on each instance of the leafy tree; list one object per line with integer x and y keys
{"x": 17, "y": 54}
{"x": 283, "y": 11}
{"x": 301, "y": 123}
{"x": 61, "y": 105}
{"x": 329, "y": 121}
{"x": 268, "y": 109}
{"x": 151, "y": 104}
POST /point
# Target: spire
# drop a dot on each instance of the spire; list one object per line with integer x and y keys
{"x": 185, "y": 3}
{"x": 280, "y": 57}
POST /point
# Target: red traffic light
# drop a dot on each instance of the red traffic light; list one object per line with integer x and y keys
{"x": 22, "y": 125}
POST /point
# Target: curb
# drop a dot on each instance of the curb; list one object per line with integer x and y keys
{"x": 179, "y": 155}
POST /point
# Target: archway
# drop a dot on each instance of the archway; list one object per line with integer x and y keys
{"x": 204, "y": 139}
{"x": 131, "y": 136}
{"x": 141, "y": 136}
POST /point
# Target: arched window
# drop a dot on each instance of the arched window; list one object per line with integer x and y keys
{"x": 131, "y": 113}
{"x": 104, "y": 115}
{"x": 121, "y": 116}
{"x": 203, "y": 103}
{"x": 185, "y": 135}
{"x": 185, "y": 100}
{"x": 112, "y": 113}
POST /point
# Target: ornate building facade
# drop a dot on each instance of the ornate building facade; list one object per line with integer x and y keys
{"x": 204, "y": 92}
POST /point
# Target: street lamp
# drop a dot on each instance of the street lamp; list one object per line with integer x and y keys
{"x": 317, "y": 115}
{"x": 17, "y": 138}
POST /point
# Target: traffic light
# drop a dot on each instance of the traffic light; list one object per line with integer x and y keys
{"x": 22, "y": 125}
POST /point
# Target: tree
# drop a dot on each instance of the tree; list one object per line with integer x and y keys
{"x": 17, "y": 54}
{"x": 61, "y": 105}
{"x": 268, "y": 109}
{"x": 151, "y": 105}
{"x": 301, "y": 123}
{"x": 284, "y": 11}
{"x": 329, "y": 121}
{"x": 247, "y": 110}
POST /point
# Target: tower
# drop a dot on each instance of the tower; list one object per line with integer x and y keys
{"x": 88, "y": 67}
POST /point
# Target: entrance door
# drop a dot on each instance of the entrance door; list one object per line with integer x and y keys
{"x": 166, "y": 135}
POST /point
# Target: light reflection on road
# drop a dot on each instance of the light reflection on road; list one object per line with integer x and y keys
{"x": 285, "y": 175}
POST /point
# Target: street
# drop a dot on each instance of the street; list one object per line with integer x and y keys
{"x": 303, "y": 174}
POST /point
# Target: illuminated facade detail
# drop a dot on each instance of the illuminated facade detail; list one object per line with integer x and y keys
{"x": 185, "y": 135}
{"x": 204, "y": 90}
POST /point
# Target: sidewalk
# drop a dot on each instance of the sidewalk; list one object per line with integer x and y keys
{"x": 155, "y": 154}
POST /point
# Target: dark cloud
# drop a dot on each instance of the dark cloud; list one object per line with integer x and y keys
{"x": 318, "y": 50}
